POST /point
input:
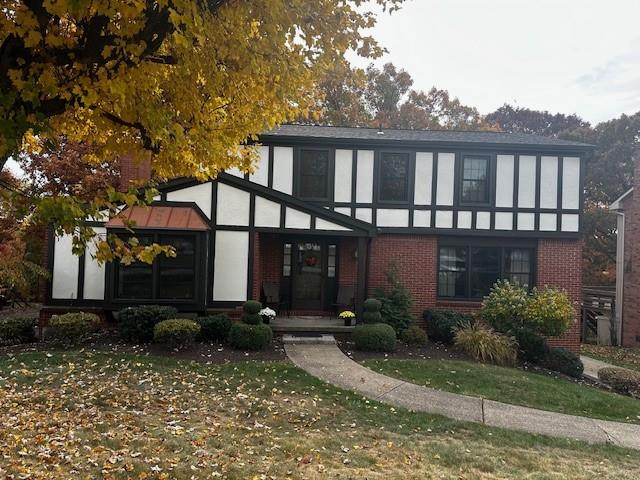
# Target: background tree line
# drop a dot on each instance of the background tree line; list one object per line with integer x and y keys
{"x": 384, "y": 97}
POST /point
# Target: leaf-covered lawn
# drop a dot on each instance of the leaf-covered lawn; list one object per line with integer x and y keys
{"x": 99, "y": 415}
{"x": 513, "y": 385}
{"x": 623, "y": 357}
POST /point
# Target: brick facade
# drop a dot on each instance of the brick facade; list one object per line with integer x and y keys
{"x": 559, "y": 264}
{"x": 416, "y": 258}
{"x": 631, "y": 286}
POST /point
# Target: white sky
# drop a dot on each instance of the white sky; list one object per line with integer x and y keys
{"x": 569, "y": 56}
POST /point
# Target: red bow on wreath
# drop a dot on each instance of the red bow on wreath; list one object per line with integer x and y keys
{"x": 311, "y": 261}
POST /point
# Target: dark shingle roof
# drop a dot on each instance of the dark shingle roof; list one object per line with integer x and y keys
{"x": 419, "y": 136}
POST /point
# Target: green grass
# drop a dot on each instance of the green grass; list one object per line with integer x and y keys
{"x": 126, "y": 416}
{"x": 515, "y": 386}
{"x": 620, "y": 356}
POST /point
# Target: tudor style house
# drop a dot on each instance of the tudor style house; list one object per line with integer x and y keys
{"x": 330, "y": 209}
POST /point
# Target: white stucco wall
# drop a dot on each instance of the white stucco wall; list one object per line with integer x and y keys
{"x": 65, "y": 269}
{"x": 94, "y": 272}
{"x": 231, "y": 266}
{"x": 200, "y": 194}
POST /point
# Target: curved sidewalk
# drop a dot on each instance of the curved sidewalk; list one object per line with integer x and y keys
{"x": 328, "y": 363}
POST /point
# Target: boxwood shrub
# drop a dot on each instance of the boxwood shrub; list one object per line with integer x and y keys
{"x": 371, "y": 312}
{"x": 243, "y": 336}
{"x": 17, "y": 330}
{"x": 414, "y": 335}
{"x": 176, "y": 333}
{"x": 563, "y": 361}
{"x": 136, "y": 323}
{"x": 532, "y": 348}
{"x": 376, "y": 337}
{"x": 621, "y": 380}
{"x": 72, "y": 328}
{"x": 251, "y": 312}
{"x": 215, "y": 328}
{"x": 442, "y": 324}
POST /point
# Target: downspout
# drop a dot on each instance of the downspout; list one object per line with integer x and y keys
{"x": 619, "y": 277}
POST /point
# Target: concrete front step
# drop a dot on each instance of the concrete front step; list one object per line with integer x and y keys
{"x": 308, "y": 339}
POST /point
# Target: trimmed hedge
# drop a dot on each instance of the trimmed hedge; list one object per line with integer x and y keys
{"x": 71, "y": 328}
{"x": 251, "y": 312}
{"x": 17, "y": 330}
{"x": 563, "y": 361}
{"x": 621, "y": 380}
{"x": 414, "y": 335}
{"x": 136, "y": 323}
{"x": 533, "y": 348}
{"x": 243, "y": 336}
{"x": 442, "y": 324}
{"x": 377, "y": 337}
{"x": 176, "y": 332}
{"x": 215, "y": 328}
{"x": 371, "y": 312}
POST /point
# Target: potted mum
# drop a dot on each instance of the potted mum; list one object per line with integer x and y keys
{"x": 267, "y": 315}
{"x": 348, "y": 316}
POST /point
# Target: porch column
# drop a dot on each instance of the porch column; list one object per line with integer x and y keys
{"x": 361, "y": 280}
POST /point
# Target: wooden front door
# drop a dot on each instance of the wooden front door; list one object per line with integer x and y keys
{"x": 308, "y": 275}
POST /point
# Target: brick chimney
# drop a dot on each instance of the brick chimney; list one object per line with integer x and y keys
{"x": 132, "y": 171}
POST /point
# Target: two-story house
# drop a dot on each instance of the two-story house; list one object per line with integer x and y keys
{"x": 329, "y": 208}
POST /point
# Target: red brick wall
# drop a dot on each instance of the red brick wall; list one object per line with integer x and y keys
{"x": 560, "y": 265}
{"x": 416, "y": 257}
{"x": 267, "y": 261}
{"x": 347, "y": 264}
{"x": 631, "y": 293}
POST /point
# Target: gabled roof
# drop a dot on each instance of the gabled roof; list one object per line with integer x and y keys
{"x": 387, "y": 135}
{"x": 617, "y": 204}
{"x": 161, "y": 215}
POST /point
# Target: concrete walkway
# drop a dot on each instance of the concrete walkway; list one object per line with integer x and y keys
{"x": 328, "y": 363}
{"x": 591, "y": 366}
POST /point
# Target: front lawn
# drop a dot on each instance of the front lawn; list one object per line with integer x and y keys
{"x": 623, "y": 357}
{"x": 108, "y": 415}
{"x": 515, "y": 386}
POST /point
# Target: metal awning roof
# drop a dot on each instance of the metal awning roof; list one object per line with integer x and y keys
{"x": 161, "y": 216}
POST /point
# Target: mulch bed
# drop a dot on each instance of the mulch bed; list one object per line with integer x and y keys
{"x": 109, "y": 341}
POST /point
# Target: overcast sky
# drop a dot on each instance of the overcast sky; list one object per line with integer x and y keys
{"x": 570, "y": 56}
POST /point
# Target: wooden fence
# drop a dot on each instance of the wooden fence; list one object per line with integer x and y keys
{"x": 597, "y": 301}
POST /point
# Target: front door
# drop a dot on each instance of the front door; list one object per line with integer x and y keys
{"x": 308, "y": 274}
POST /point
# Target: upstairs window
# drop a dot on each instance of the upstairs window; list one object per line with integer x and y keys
{"x": 475, "y": 179}
{"x": 394, "y": 175}
{"x": 314, "y": 174}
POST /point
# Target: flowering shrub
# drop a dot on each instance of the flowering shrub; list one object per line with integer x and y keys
{"x": 509, "y": 308}
{"x": 347, "y": 314}
{"x": 549, "y": 311}
{"x": 505, "y": 307}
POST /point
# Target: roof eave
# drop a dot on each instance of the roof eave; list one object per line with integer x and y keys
{"x": 299, "y": 139}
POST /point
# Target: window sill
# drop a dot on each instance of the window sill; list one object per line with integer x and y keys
{"x": 458, "y": 302}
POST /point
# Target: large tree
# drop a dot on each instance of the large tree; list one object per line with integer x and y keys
{"x": 178, "y": 81}
{"x": 384, "y": 97}
{"x": 524, "y": 120}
